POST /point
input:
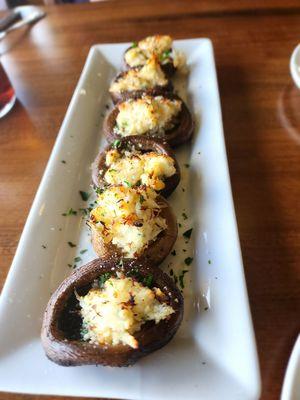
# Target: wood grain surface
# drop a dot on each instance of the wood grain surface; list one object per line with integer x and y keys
{"x": 262, "y": 130}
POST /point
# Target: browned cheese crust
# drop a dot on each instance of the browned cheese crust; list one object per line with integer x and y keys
{"x": 62, "y": 322}
{"x": 143, "y": 145}
{"x": 179, "y": 134}
{"x": 168, "y": 68}
{"x": 118, "y": 97}
{"x": 156, "y": 251}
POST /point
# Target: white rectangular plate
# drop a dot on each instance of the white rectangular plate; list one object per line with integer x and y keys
{"x": 213, "y": 355}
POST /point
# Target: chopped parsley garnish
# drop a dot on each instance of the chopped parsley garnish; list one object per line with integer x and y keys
{"x": 209, "y": 261}
{"x": 187, "y": 165}
{"x": 84, "y": 211}
{"x": 84, "y": 195}
{"x": 142, "y": 198}
{"x": 116, "y": 143}
{"x": 187, "y": 234}
{"x": 77, "y": 259}
{"x": 98, "y": 190}
{"x": 69, "y": 212}
{"x": 63, "y": 162}
{"x": 165, "y": 54}
{"x": 188, "y": 260}
{"x": 83, "y": 251}
{"x": 83, "y": 332}
{"x": 43, "y": 246}
{"x": 134, "y": 44}
{"x": 71, "y": 244}
{"x": 70, "y": 265}
{"x": 148, "y": 280}
{"x": 184, "y": 216}
{"x": 181, "y": 278}
{"x": 103, "y": 278}
{"x": 145, "y": 280}
{"x": 127, "y": 184}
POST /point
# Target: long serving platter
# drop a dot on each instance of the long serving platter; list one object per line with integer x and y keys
{"x": 213, "y": 355}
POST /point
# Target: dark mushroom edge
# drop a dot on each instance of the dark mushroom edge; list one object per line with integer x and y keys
{"x": 179, "y": 134}
{"x": 61, "y": 330}
{"x": 142, "y": 145}
{"x": 156, "y": 251}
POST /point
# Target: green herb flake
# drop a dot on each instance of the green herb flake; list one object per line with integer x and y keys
{"x": 70, "y": 265}
{"x": 148, "y": 280}
{"x": 83, "y": 251}
{"x": 63, "y": 161}
{"x": 142, "y": 199}
{"x": 187, "y": 234}
{"x": 84, "y": 195}
{"x": 116, "y": 144}
{"x": 83, "y": 332}
{"x": 165, "y": 54}
{"x": 71, "y": 244}
{"x": 185, "y": 217}
{"x": 173, "y": 253}
{"x": 181, "y": 278}
{"x": 127, "y": 184}
{"x": 77, "y": 259}
{"x": 134, "y": 44}
{"x": 103, "y": 278}
{"x": 84, "y": 211}
{"x": 209, "y": 261}
{"x": 43, "y": 246}
{"x": 188, "y": 261}
{"x": 69, "y": 212}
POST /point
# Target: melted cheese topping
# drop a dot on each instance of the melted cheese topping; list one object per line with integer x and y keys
{"x": 146, "y": 115}
{"x": 149, "y": 76}
{"x": 128, "y": 218}
{"x": 148, "y": 169}
{"x": 158, "y": 45}
{"x": 112, "y": 314}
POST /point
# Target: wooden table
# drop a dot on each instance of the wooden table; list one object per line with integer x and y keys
{"x": 252, "y": 48}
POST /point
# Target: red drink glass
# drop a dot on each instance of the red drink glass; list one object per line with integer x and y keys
{"x": 7, "y": 93}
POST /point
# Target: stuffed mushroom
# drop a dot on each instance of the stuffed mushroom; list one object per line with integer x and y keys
{"x": 159, "y": 45}
{"x": 163, "y": 117}
{"x": 132, "y": 222}
{"x": 111, "y": 313}
{"x": 137, "y": 160}
{"x": 149, "y": 78}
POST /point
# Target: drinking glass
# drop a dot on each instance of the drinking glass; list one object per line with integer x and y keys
{"x": 7, "y": 93}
